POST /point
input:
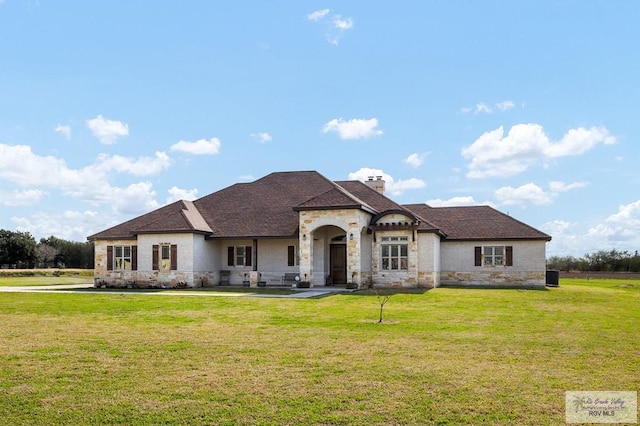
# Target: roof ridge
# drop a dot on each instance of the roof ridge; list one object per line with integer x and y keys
{"x": 354, "y": 197}
{"x": 194, "y": 218}
{"x": 422, "y": 219}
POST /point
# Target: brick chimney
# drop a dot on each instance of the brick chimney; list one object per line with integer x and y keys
{"x": 375, "y": 182}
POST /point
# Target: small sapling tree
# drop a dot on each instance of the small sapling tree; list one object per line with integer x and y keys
{"x": 382, "y": 299}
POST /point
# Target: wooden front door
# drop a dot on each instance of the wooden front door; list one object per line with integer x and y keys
{"x": 338, "y": 263}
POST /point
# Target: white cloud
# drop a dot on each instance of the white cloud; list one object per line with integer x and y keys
{"x": 531, "y": 193}
{"x": 342, "y": 24}
{"x": 354, "y": 128}
{"x": 482, "y": 108}
{"x": 566, "y": 239}
{"x": 392, "y": 186}
{"x": 133, "y": 199}
{"x": 452, "y": 202}
{"x": 497, "y": 154}
{"x": 620, "y": 231}
{"x": 16, "y": 198}
{"x": 415, "y": 159}
{"x": 578, "y": 141}
{"x": 523, "y": 195}
{"x": 69, "y": 225}
{"x": 199, "y": 147}
{"x": 400, "y": 186}
{"x": 365, "y": 173}
{"x": 505, "y": 105}
{"x": 107, "y": 131}
{"x": 318, "y": 14}
{"x": 176, "y": 194}
{"x": 143, "y": 166}
{"x": 18, "y": 164}
{"x": 556, "y": 227}
{"x": 621, "y": 228}
{"x": 263, "y": 137}
{"x": 336, "y": 26}
{"x": 63, "y": 130}
{"x": 557, "y": 186}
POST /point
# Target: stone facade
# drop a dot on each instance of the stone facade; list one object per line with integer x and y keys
{"x": 319, "y": 223}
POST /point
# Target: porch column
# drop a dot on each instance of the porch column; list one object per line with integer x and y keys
{"x": 306, "y": 255}
{"x": 354, "y": 258}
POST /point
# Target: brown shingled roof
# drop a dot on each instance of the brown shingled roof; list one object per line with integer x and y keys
{"x": 374, "y": 199}
{"x": 263, "y": 208}
{"x": 174, "y": 217}
{"x": 268, "y": 208}
{"x": 476, "y": 223}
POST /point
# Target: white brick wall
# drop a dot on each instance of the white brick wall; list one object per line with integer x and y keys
{"x": 458, "y": 264}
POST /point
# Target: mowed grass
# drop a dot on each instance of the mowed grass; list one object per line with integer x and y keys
{"x": 36, "y": 277}
{"x": 442, "y": 357}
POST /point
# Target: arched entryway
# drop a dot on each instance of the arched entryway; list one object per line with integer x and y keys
{"x": 329, "y": 255}
{"x": 331, "y": 251}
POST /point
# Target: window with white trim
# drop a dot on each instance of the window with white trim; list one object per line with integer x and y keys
{"x": 165, "y": 257}
{"x": 122, "y": 258}
{"x": 395, "y": 253}
{"x": 493, "y": 255}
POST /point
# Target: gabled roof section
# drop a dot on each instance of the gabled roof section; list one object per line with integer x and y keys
{"x": 377, "y": 201}
{"x": 263, "y": 208}
{"x": 476, "y": 223}
{"x": 180, "y": 216}
{"x": 335, "y": 198}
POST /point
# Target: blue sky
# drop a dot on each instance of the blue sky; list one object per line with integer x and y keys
{"x": 111, "y": 109}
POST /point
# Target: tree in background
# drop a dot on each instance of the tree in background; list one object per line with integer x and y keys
{"x": 46, "y": 255}
{"x": 69, "y": 254}
{"x": 17, "y": 249}
{"x": 603, "y": 261}
{"x": 20, "y": 250}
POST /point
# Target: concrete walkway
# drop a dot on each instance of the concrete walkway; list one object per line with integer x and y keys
{"x": 88, "y": 288}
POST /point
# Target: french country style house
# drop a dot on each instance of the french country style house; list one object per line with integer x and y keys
{"x": 300, "y": 228}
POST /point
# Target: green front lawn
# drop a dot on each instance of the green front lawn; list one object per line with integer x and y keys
{"x": 442, "y": 357}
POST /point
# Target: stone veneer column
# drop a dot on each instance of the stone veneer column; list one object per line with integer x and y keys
{"x": 353, "y": 255}
{"x": 254, "y": 277}
{"x": 306, "y": 252}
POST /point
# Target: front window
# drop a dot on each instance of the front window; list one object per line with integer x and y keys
{"x": 165, "y": 258}
{"x": 395, "y": 253}
{"x": 122, "y": 258}
{"x": 240, "y": 255}
{"x": 493, "y": 255}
